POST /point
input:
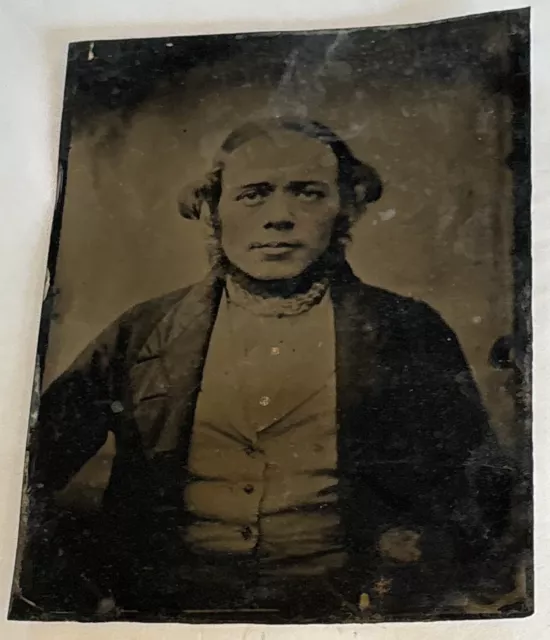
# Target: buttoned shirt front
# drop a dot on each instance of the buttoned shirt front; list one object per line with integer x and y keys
{"x": 262, "y": 464}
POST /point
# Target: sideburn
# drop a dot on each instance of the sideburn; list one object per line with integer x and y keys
{"x": 327, "y": 265}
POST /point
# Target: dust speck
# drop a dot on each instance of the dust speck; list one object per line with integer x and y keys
{"x": 387, "y": 215}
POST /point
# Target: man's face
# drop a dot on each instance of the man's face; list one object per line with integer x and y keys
{"x": 279, "y": 202}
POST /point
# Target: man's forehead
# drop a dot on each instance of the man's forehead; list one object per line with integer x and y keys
{"x": 287, "y": 154}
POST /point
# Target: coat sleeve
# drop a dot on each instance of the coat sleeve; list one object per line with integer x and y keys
{"x": 75, "y": 412}
{"x": 445, "y": 484}
{"x": 74, "y": 418}
{"x": 471, "y": 479}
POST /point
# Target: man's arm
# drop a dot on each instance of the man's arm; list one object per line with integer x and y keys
{"x": 473, "y": 478}
{"x": 74, "y": 419}
{"x": 75, "y": 413}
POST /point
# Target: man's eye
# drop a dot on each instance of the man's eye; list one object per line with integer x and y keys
{"x": 311, "y": 195}
{"x": 254, "y": 197}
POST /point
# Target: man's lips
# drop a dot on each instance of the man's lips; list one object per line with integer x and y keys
{"x": 275, "y": 245}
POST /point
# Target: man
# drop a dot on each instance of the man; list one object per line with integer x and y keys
{"x": 288, "y": 439}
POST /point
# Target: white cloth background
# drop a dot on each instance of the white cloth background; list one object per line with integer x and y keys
{"x": 33, "y": 38}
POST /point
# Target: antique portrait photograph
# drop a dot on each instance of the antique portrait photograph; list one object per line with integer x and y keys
{"x": 284, "y": 363}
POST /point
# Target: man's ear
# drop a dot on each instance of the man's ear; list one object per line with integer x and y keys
{"x": 191, "y": 199}
{"x": 367, "y": 185}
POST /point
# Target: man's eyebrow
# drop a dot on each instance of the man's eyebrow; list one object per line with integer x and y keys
{"x": 302, "y": 184}
{"x": 256, "y": 185}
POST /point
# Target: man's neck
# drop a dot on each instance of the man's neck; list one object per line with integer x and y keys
{"x": 289, "y": 296}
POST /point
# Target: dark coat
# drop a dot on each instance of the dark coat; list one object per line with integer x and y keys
{"x": 415, "y": 451}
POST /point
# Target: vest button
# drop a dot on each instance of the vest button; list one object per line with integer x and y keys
{"x": 117, "y": 407}
{"x": 250, "y": 450}
{"x": 249, "y": 488}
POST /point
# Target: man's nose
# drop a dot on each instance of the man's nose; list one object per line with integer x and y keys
{"x": 279, "y": 225}
{"x": 279, "y": 215}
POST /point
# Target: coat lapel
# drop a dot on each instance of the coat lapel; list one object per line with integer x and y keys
{"x": 359, "y": 388}
{"x": 359, "y": 367}
{"x": 364, "y": 410}
{"x": 166, "y": 377}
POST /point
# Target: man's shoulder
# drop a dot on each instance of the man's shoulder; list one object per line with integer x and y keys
{"x": 406, "y": 320}
{"x": 404, "y": 317}
{"x": 154, "y": 307}
{"x": 130, "y": 330}
{"x": 389, "y": 305}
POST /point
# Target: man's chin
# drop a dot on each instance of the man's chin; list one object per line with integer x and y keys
{"x": 268, "y": 271}
{"x": 272, "y": 275}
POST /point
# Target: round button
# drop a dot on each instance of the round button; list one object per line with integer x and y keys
{"x": 265, "y": 400}
{"x": 253, "y": 451}
{"x": 117, "y": 407}
{"x": 249, "y": 488}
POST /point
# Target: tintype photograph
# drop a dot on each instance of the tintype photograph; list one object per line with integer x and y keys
{"x": 284, "y": 362}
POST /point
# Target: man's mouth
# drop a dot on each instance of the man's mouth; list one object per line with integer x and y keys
{"x": 275, "y": 245}
{"x": 276, "y": 250}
